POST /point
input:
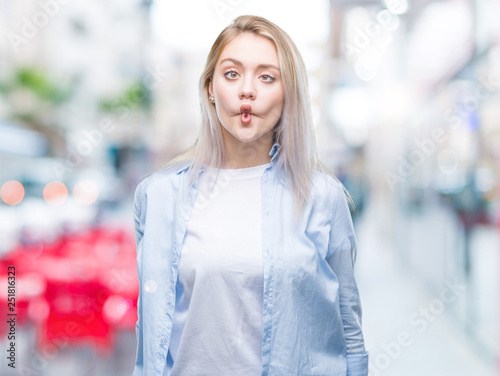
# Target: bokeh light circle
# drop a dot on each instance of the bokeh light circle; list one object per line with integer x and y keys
{"x": 85, "y": 192}
{"x": 448, "y": 161}
{"x": 150, "y": 286}
{"x": 12, "y": 192}
{"x": 55, "y": 193}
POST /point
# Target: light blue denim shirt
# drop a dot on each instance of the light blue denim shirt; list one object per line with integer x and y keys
{"x": 311, "y": 306}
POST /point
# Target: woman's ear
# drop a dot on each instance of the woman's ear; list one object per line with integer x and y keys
{"x": 211, "y": 88}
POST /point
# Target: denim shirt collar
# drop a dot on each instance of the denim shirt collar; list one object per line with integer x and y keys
{"x": 273, "y": 152}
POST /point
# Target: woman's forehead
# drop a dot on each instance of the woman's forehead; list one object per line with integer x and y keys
{"x": 251, "y": 49}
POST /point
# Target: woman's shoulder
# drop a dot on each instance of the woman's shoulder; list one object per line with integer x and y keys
{"x": 326, "y": 190}
{"x": 163, "y": 178}
{"x": 325, "y": 181}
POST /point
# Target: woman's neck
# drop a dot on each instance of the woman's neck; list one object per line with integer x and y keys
{"x": 244, "y": 155}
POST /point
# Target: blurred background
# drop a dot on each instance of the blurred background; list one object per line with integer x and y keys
{"x": 94, "y": 95}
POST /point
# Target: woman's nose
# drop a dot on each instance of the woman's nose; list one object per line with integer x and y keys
{"x": 247, "y": 90}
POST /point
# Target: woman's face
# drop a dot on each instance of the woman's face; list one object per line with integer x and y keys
{"x": 247, "y": 73}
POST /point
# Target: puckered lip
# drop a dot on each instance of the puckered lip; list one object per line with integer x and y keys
{"x": 245, "y": 108}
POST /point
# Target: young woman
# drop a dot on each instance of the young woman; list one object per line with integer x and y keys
{"x": 233, "y": 281}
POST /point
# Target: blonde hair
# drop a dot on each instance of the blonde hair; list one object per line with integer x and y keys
{"x": 294, "y": 130}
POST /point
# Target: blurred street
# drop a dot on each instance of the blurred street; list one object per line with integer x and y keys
{"x": 405, "y": 103}
{"x": 393, "y": 295}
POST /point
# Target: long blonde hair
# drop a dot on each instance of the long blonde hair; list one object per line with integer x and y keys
{"x": 294, "y": 131}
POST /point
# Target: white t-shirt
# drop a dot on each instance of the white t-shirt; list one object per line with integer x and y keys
{"x": 217, "y": 325}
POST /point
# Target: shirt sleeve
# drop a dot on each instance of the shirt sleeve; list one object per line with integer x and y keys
{"x": 138, "y": 221}
{"x": 341, "y": 258}
{"x": 139, "y": 199}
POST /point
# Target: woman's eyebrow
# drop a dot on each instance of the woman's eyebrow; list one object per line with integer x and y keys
{"x": 237, "y": 62}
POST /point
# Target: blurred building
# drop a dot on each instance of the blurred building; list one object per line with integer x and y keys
{"x": 405, "y": 100}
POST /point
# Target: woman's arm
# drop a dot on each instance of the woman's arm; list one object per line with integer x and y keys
{"x": 341, "y": 258}
{"x": 139, "y": 232}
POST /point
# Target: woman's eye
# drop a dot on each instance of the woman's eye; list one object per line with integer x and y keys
{"x": 268, "y": 78}
{"x": 231, "y": 74}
